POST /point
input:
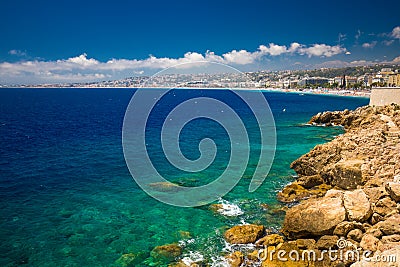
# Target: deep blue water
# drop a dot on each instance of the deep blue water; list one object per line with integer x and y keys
{"x": 67, "y": 197}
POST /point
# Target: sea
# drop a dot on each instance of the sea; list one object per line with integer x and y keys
{"x": 67, "y": 197}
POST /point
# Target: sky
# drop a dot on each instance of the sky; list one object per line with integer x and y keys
{"x": 76, "y": 41}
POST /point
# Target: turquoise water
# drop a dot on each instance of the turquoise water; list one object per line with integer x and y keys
{"x": 67, "y": 197}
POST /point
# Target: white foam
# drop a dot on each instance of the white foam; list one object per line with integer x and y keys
{"x": 229, "y": 209}
{"x": 193, "y": 257}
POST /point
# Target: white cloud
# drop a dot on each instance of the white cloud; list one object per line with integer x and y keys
{"x": 348, "y": 53}
{"x": 84, "y": 68}
{"x": 322, "y": 50}
{"x": 369, "y": 45}
{"x": 396, "y": 32}
{"x": 388, "y": 42}
{"x": 396, "y": 60}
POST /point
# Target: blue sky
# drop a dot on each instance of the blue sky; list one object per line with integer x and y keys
{"x": 50, "y": 41}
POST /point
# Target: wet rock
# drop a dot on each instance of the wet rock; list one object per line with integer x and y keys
{"x": 369, "y": 242}
{"x": 130, "y": 260}
{"x": 314, "y": 217}
{"x": 244, "y": 234}
{"x": 394, "y": 190}
{"x": 327, "y": 241}
{"x": 293, "y": 192}
{"x": 355, "y": 235}
{"x": 357, "y": 205}
{"x": 235, "y": 259}
{"x": 166, "y": 253}
{"x": 270, "y": 240}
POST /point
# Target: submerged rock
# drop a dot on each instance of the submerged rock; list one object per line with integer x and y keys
{"x": 166, "y": 253}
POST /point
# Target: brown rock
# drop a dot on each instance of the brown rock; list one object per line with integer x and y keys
{"x": 357, "y": 205}
{"x": 375, "y": 193}
{"x": 375, "y": 232}
{"x": 347, "y": 174}
{"x": 376, "y": 218}
{"x": 293, "y": 192}
{"x": 270, "y": 240}
{"x": 390, "y": 226}
{"x": 385, "y": 206}
{"x": 129, "y": 260}
{"x": 391, "y": 238}
{"x": 343, "y": 228}
{"x": 369, "y": 242}
{"x": 244, "y": 234}
{"x": 355, "y": 235}
{"x": 394, "y": 190}
{"x": 310, "y": 181}
{"x": 327, "y": 241}
{"x": 305, "y": 243}
{"x": 235, "y": 259}
{"x": 314, "y": 217}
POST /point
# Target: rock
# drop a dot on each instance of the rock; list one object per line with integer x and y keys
{"x": 314, "y": 217}
{"x": 164, "y": 187}
{"x": 293, "y": 192}
{"x": 369, "y": 242}
{"x": 375, "y": 232}
{"x": 244, "y": 234}
{"x": 394, "y": 190}
{"x": 347, "y": 174}
{"x": 166, "y": 253}
{"x": 235, "y": 259}
{"x": 327, "y": 241}
{"x": 357, "y": 205}
{"x": 375, "y": 218}
{"x": 390, "y": 226}
{"x": 270, "y": 240}
{"x": 310, "y": 181}
{"x": 343, "y": 228}
{"x": 385, "y": 206}
{"x": 375, "y": 193}
{"x": 271, "y": 260}
{"x": 355, "y": 235}
{"x": 391, "y": 238}
{"x": 305, "y": 243}
{"x": 392, "y": 253}
{"x": 130, "y": 260}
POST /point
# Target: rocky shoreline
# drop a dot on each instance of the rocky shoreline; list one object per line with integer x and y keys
{"x": 347, "y": 198}
{"x": 343, "y": 208}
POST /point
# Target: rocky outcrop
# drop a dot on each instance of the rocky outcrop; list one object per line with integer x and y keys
{"x": 244, "y": 234}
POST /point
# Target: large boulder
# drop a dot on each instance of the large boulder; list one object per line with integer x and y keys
{"x": 244, "y": 234}
{"x": 314, "y": 217}
{"x": 357, "y": 205}
{"x": 346, "y": 174}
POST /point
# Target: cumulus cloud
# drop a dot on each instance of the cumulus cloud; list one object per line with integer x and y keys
{"x": 395, "y": 33}
{"x": 322, "y": 50}
{"x": 369, "y": 45}
{"x": 84, "y": 68}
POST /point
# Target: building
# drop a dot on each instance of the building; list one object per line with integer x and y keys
{"x": 313, "y": 81}
{"x": 394, "y": 80}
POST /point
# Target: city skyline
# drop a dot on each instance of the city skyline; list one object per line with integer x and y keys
{"x": 77, "y": 42}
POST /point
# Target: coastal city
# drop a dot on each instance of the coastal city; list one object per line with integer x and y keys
{"x": 350, "y": 80}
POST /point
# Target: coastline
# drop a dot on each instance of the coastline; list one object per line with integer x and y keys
{"x": 363, "y": 94}
{"x": 346, "y": 198}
